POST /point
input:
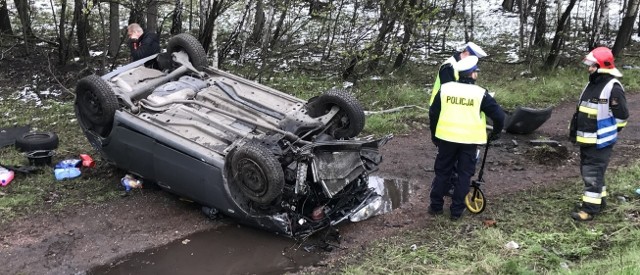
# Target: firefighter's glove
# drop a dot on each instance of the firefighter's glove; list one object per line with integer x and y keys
{"x": 494, "y": 136}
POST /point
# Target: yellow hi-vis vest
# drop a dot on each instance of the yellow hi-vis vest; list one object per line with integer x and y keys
{"x": 436, "y": 85}
{"x": 460, "y": 118}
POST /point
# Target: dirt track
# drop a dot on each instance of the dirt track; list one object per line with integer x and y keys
{"x": 77, "y": 239}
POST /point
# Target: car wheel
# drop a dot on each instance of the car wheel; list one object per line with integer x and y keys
{"x": 193, "y": 48}
{"x": 37, "y": 141}
{"x": 95, "y": 105}
{"x": 349, "y": 121}
{"x": 257, "y": 173}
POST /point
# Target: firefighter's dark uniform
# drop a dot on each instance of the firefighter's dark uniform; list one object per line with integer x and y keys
{"x": 601, "y": 114}
{"x": 457, "y": 127}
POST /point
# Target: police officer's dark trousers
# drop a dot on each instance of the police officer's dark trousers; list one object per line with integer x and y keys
{"x": 593, "y": 164}
{"x": 448, "y": 154}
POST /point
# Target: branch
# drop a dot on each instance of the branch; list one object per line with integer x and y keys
{"x": 393, "y": 110}
{"x": 54, "y": 77}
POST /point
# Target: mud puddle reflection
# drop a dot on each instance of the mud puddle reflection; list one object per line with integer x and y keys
{"x": 227, "y": 250}
{"x": 232, "y": 249}
{"x": 394, "y": 192}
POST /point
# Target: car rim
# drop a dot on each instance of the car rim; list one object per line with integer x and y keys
{"x": 252, "y": 178}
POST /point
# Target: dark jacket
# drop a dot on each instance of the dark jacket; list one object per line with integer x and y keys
{"x": 617, "y": 104}
{"x": 147, "y": 45}
{"x": 446, "y": 72}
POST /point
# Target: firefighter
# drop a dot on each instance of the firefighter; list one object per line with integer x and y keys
{"x": 457, "y": 127}
{"x": 601, "y": 113}
{"x": 447, "y": 73}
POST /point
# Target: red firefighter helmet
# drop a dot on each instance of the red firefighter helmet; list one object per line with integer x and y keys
{"x": 602, "y": 57}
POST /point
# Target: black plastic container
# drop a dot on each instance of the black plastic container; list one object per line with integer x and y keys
{"x": 40, "y": 157}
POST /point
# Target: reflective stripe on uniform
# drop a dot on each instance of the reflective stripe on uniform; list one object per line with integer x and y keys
{"x": 592, "y": 197}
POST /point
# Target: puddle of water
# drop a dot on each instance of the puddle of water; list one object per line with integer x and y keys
{"x": 233, "y": 249}
{"x": 394, "y": 192}
{"x": 226, "y": 250}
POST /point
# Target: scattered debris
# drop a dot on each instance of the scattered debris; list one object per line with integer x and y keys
{"x": 638, "y": 191}
{"x": 512, "y": 245}
{"x": 186, "y": 241}
{"x": 129, "y": 182}
{"x": 6, "y": 176}
{"x": 414, "y": 247}
{"x": 67, "y": 169}
{"x": 564, "y": 265}
{"x": 549, "y": 142}
{"x": 489, "y": 223}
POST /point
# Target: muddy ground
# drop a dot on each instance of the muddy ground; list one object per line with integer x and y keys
{"x": 75, "y": 240}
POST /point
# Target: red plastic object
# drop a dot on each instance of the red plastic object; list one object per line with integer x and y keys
{"x": 87, "y": 161}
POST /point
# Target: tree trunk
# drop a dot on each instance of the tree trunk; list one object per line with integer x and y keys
{"x": 63, "y": 42}
{"x": 5, "y": 22}
{"x": 541, "y": 24}
{"x": 114, "y": 28}
{"x": 136, "y": 15}
{"x": 387, "y": 22}
{"x": 83, "y": 25}
{"x": 452, "y": 14}
{"x": 507, "y": 5}
{"x": 176, "y": 19}
{"x": 599, "y": 15}
{"x": 554, "y": 52}
{"x": 25, "y": 18}
{"x": 409, "y": 29}
{"x": 258, "y": 24}
{"x": 152, "y": 16}
{"x": 278, "y": 31}
{"x": 206, "y": 35}
{"x": 626, "y": 28}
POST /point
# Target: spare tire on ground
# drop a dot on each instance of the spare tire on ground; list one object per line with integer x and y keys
{"x": 526, "y": 120}
{"x": 34, "y": 141}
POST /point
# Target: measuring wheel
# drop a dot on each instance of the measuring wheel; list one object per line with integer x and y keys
{"x": 474, "y": 200}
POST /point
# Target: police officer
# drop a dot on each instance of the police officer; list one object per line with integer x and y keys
{"x": 457, "y": 127}
{"x": 142, "y": 44}
{"x": 447, "y": 72}
{"x": 601, "y": 113}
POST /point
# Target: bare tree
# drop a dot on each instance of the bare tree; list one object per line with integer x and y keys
{"x": 387, "y": 22}
{"x": 600, "y": 11}
{"x": 136, "y": 13}
{"x": 554, "y": 52}
{"x": 541, "y": 24}
{"x": 176, "y": 18}
{"x": 507, "y": 5}
{"x": 258, "y": 22}
{"x": 114, "y": 28}
{"x": 626, "y": 28}
{"x": 5, "y": 21}
{"x": 409, "y": 20}
{"x": 214, "y": 11}
{"x": 25, "y": 18}
{"x": 152, "y": 16}
{"x": 81, "y": 14}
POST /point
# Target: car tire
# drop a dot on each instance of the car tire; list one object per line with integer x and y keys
{"x": 350, "y": 119}
{"x": 193, "y": 48}
{"x": 95, "y": 105}
{"x": 35, "y": 141}
{"x": 257, "y": 173}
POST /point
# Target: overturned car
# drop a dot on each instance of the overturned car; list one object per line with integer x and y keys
{"x": 253, "y": 153}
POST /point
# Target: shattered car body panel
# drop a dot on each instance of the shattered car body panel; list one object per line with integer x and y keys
{"x": 264, "y": 157}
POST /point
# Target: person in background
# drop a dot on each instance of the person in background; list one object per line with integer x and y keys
{"x": 142, "y": 44}
{"x": 601, "y": 113}
{"x": 457, "y": 127}
{"x": 447, "y": 73}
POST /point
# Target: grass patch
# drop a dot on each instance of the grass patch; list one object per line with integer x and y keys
{"x": 538, "y": 220}
{"x": 40, "y": 191}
